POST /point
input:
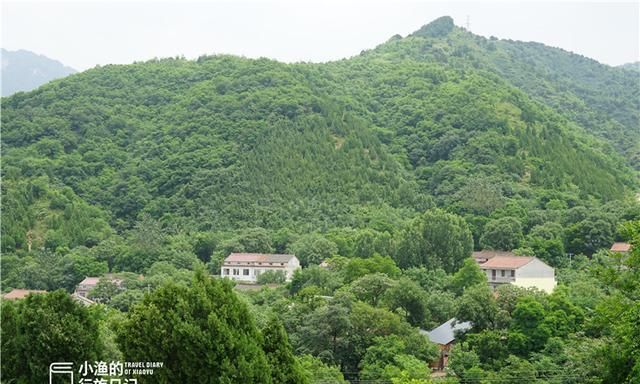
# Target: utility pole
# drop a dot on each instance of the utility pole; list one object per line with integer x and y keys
{"x": 468, "y": 23}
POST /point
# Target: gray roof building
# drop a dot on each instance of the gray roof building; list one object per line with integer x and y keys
{"x": 445, "y": 333}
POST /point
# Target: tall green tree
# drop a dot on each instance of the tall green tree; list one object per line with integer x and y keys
{"x": 204, "y": 327}
{"x": 410, "y": 300}
{"x": 529, "y": 330}
{"x": 317, "y": 371}
{"x": 46, "y": 328}
{"x": 620, "y": 314}
{"x": 502, "y": 234}
{"x": 489, "y": 346}
{"x": 435, "y": 239}
{"x": 358, "y": 267}
{"x": 478, "y": 305}
{"x": 590, "y": 235}
{"x": 313, "y": 249}
{"x": 517, "y": 371}
{"x": 468, "y": 275}
{"x": 283, "y": 365}
{"x": 371, "y": 288}
{"x": 325, "y": 333}
{"x": 388, "y": 359}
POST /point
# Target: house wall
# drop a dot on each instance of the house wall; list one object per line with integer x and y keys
{"x": 292, "y": 266}
{"x": 254, "y": 272}
{"x": 546, "y": 284}
{"x": 533, "y": 274}
{"x": 499, "y": 279}
{"x": 84, "y": 289}
{"x": 536, "y": 274}
{"x": 443, "y": 357}
{"x": 535, "y": 268}
{"x": 255, "y": 269}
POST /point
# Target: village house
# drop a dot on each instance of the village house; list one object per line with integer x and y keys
{"x": 523, "y": 271}
{"x": 248, "y": 266}
{"x": 444, "y": 336}
{"x": 621, "y": 247}
{"x": 17, "y": 294}
{"x": 89, "y": 283}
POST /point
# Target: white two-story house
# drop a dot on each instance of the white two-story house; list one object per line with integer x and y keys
{"x": 523, "y": 271}
{"x": 248, "y": 266}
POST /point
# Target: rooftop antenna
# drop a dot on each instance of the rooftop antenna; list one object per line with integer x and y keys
{"x": 468, "y": 22}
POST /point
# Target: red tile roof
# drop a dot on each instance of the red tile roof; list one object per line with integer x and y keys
{"x": 488, "y": 254}
{"x": 21, "y": 293}
{"x": 95, "y": 280}
{"x": 90, "y": 281}
{"x": 620, "y": 247}
{"x": 506, "y": 262}
{"x": 258, "y": 257}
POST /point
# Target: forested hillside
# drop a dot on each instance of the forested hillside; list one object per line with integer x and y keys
{"x": 224, "y": 143}
{"x": 635, "y": 66}
{"x": 603, "y": 100}
{"x": 394, "y": 164}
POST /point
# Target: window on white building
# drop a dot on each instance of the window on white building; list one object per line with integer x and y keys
{"x": 226, "y": 271}
{"x": 245, "y": 272}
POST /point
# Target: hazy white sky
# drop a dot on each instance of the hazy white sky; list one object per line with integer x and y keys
{"x": 83, "y": 34}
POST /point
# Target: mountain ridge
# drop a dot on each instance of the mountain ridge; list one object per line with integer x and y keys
{"x": 542, "y": 72}
{"x": 24, "y": 70}
{"x": 222, "y": 142}
{"x": 633, "y": 66}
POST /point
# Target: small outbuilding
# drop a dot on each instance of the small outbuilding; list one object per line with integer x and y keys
{"x": 445, "y": 335}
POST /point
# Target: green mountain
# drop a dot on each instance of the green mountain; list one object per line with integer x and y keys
{"x": 482, "y": 127}
{"x": 635, "y": 66}
{"x": 603, "y": 100}
{"x": 24, "y": 70}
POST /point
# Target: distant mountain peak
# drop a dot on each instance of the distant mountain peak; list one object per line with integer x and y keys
{"x": 635, "y": 66}
{"x": 439, "y": 27}
{"x": 23, "y": 70}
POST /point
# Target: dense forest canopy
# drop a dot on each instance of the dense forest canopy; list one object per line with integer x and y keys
{"x": 392, "y": 165}
{"x": 635, "y": 66}
{"x": 224, "y": 143}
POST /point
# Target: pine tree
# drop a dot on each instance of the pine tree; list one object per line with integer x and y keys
{"x": 202, "y": 333}
{"x": 42, "y": 329}
{"x": 285, "y": 369}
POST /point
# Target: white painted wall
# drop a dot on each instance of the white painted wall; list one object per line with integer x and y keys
{"x": 255, "y": 270}
{"x": 536, "y": 274}
{"x": 546, "y": 284}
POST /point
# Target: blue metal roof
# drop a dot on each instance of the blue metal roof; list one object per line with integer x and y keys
{"x": 445, "y": 333}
